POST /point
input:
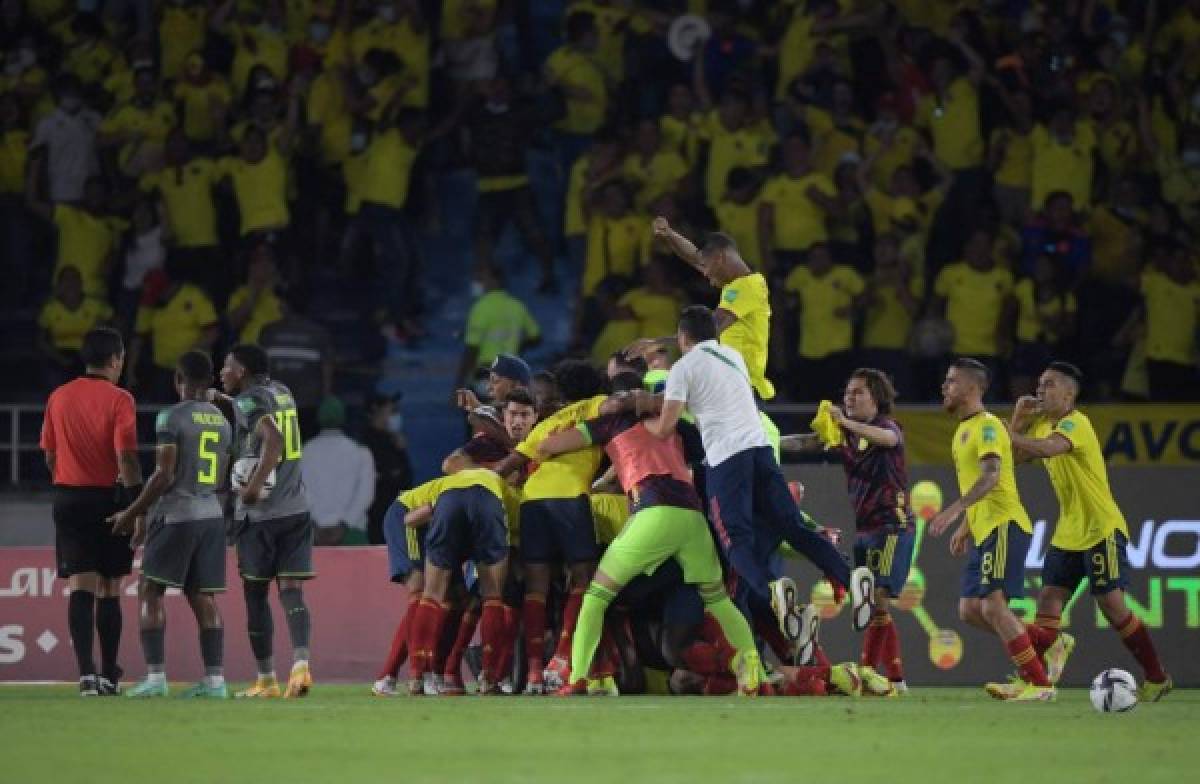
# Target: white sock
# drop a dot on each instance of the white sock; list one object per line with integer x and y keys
{"x": 156, "y": 677}
{"x": 214, "y": 681}
{"x": 299, "y": 662}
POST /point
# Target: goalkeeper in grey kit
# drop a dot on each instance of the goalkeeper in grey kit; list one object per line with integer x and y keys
{"x": 272, "y": 529}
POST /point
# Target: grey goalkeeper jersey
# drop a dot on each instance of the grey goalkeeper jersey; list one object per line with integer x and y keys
{"x": 272, "y": 399}
{"x": 203, "y": 442}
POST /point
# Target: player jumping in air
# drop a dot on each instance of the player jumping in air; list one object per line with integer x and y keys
{"x": 872, "y": 452}
{"x": 667, "y": 522}
{"x": 274, "y": 535}
{"x": 185, "y": 538}
{"x": 1091, "y": 534}
{"x": 996, "y": 530}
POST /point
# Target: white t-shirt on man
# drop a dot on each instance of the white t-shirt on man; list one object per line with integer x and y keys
{"x": 712, "y": 380}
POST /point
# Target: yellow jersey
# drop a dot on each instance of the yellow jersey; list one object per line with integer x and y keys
{"x": 186, "y": 193}
{"x": 610, "y": 511}
{"x": 975, "y": 300}
{"x": 978, "y": 436}
{"x": 1087, "y": 511}
{"x": 748, "y": 299}
{"x": 260, "y": 190}
{"x": 799, "y": 221}
{"x": 428, "y": 493}
{"x": 267, "y": 310}
{"x": 65, "y": 328}
{"x": 822, "y": 330}
{"x": 568, "y": 475}
{"x": 177, "y": 324}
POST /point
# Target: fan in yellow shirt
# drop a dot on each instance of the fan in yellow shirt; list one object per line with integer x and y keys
{"x": 744, "y": 312}
{"x": 67, "y": 316}
{"x": 1171, "y": 299}
{"x": 996, "y": 530}
{"x": 617, "y": 240}
{"x": 737, "y": 213}
{"x": 1091, "y": 535}
{"x": 180, "y": 319}
{"x": 654, "y": 168}
{"x": 951, "y": 115}
{"x": 828, "y": 296}
{"x": 573, "y": 70}
{"x": 734, "y": 139}
{"x": 185, "y": 188}
{"x": 259, "y": 175}
{"x": 653, "y": 306}
{"x": 977, "y": 298}
{"x": 255, "y": 304}
{"x": 795, "y": 204}
{"x": 204, "y": 98}
{"x": 87, "y": 237}
{"x": 1062, "y": 159}
{"x": 681, "y": 126}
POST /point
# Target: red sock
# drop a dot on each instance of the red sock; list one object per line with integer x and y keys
{"x": 1021, "y": 651}
{"x": 412, "y": 644}
{"x": 1043, "y": 632}
{"x": 509, "y": 639}
{"x": 466, "y": 631}
{"x": 398, "y": 652}
{"x": 769, "y": 631}
{"x": 533, "y": 613}
{"x": 710, "y": 631}
{"x": 426, "y": 629}
{"x": 1136, "y": 638}
{"x": 446, "y": 637}
{"x": 492, "y": 631}
{"x": 715, "y": 685}
{"x": 570, "y": 616}
{"x": 819, "y": 657}
{"x": 891, "y": 652}
{"x": 874, "y": 640}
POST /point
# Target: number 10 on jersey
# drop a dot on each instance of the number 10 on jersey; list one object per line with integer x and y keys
{"x": 289, "y": 425}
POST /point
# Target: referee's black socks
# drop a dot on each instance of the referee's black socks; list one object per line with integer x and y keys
{"x": 108, "y": 626}
{"x": 81, "y": 612}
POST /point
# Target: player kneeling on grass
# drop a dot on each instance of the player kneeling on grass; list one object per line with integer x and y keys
{"x": 185, "y": 538}
{"x": 1091, "y": 534}
{"x": 468, "y": 522}
{"x": 667, "y": 522}
{"x": 996, "y": 523}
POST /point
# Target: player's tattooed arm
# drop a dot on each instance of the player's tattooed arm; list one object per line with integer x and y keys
{"x": 989, "y": 476}
{"x": 801, "y": 442}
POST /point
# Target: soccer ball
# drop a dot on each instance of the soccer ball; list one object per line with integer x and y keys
{"x": 1114, "y": 691}
{"x": 243, "y": 469}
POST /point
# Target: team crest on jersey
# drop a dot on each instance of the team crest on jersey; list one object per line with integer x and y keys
{"x": 246, "y": 404}
{"x": 862, "y": 445}
{"x": 989, "y": 434}
{"x": 731, "y": 295}
{"x": 1066, "y": 426}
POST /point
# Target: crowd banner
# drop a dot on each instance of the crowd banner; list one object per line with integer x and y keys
{"x": 1131, "y": 435}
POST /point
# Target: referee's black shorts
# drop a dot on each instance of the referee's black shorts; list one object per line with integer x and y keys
{"x": 83, "y": 541}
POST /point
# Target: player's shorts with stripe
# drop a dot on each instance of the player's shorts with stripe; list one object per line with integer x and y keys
{"x": 281, "y": 547}
{"x": 558, "y": 529}
{"x": 468, "y": 524}
{"x": 998, "y": 563}
{"x": 1105, "y": 565}
{"x": 83, "y": 541}
{"x": 657, "y": 533}
{"x": 188, "y": 555}
{"x": 405, "y": 544}
{"x": 887, "y": 552}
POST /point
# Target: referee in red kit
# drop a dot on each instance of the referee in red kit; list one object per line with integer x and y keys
{"x": 89, "y": 437}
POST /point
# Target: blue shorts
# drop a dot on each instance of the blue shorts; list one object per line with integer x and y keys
{"x": 998, "y": 564}
{"x": 558, "y": 529}
{"x": 468, "y": 524}
{"x": 1105, "y": 565}
{"x": 405, "y": 545}
{"x": 887, "y": 552}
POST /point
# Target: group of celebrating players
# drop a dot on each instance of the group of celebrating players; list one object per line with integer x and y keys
{"x": 644, "y": 517}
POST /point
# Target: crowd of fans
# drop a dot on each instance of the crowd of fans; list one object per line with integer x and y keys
{"x": 1001, "y": 179}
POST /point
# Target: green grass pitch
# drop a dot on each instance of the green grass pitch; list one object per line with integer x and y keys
{"x": 341, "y": 734}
